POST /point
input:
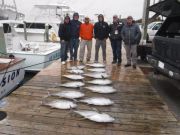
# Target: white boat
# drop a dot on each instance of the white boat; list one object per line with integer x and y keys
{"x": 11, "y": 74}
{"x": 11, "y": 69}
{"x": 48, "y": 14}
{"x": 35, "y": 52}
{"x": 36, "y": 38}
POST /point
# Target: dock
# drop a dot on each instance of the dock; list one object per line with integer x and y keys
{"x": 138, "y": 109}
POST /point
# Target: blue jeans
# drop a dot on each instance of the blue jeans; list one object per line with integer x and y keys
{"x": 64, "y": 50}
{"x": 116, "y": 48}
{"x": 74, "y": 45}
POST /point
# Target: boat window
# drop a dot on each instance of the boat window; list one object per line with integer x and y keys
{"x": 7, "y": 28}
{"x": 34, "y": 26}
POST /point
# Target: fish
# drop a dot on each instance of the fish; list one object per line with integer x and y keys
{"x": 102, "y": 89}
{"x": 97, "y": 75}
{"x": 99, "y": 101}
{"x": 74, "y": 77}
{"x": 100, "y": 82}
{"x": 81, "y": 67}
{"x": 69, "y": 94}
{"x": 96, "y": 116}
{"x": 72, "y": 84}
{"x": 61, "y": 104}
{"x": 99, "y": 70}
{"x": 76, "y": 71}
{"x": 96, "y": 65}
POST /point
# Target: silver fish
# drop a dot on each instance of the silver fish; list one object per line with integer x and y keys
{"x": 74, "y": 77}
{"x": 95, "y": 116}
{"x": 97, "y": 75}
{"x": 61, "y": 104}
{"x": 99, "y": 70}
{"x": 96, "y": 65}
{"x": 72, "y": 84}
{"x": 100, "y": 82}
{"x": 102, "y": 89}
{"x": 69, "y": 94}
{"x": 99, "y": 101}
{"x": 81, "y": 67}
{"x": 76, "y": 71}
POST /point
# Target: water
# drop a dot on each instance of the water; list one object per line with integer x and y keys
{"x": 28, "y": 76}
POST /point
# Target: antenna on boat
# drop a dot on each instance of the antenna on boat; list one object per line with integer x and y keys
{"x": 15, "y": 7}
{"x": 2, "y": 41}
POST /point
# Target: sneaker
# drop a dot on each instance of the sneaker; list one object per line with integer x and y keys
{"x": 127, "y": 65}
{"x": 114, "y": 62}
{"x": 134, "y": 66}
{"x": 63, "y": 62}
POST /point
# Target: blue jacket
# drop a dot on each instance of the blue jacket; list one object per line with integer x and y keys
{"x": 75, "y": 28}
{"x": 131, "y": 35}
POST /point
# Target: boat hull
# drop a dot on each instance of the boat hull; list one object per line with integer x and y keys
{"x": 33, "y": 60}
{"x": 10, "y": 80}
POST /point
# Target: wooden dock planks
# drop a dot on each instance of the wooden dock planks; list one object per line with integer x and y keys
{"x": 138, "y": 109}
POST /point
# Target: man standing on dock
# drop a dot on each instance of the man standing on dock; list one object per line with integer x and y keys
{"x": 131, "y": 34}
{"x": 116, "y": 40}
{"x": 65, "y": 36}
{"x": 101, "y": 32}
{"x": 86, "y": 34}
{"x": 75, "y": 30}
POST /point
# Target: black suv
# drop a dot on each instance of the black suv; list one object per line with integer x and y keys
{"x": 166, "y": 44}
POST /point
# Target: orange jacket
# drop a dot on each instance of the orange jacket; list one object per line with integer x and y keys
{"x": 86, "y": 31}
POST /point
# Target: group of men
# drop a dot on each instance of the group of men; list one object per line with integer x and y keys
{"x": 72, "y": 30}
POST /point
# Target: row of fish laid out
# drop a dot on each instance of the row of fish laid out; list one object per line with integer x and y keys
{"x": 100, "y": 85}
{"x": 97, "y": 67}
{"x": 80, "y": 71}
{"x": 74, "y": 95}
{"x": 91, "y": 115}
{"x": 78, "y": 84}
{"x": 91, "y": 75}
{"x": 81, "y": 67}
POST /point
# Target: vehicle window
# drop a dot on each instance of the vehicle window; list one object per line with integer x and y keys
{"x": 157, "y": 26}
{"x": 151, "y": 25}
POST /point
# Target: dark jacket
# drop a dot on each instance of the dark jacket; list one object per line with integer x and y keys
{"x": 65, "y": 31}
{"x": 131, "y": 34}
{"x": 101, "y": 30}
{"x": 115, "y": 31}
{"x": 75, "y": 28}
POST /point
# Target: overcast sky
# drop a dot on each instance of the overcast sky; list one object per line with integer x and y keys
{"x": 91, "y": 7}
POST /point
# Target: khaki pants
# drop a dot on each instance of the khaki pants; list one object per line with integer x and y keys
{"x": 84, "y": 43}
{"x": 102, "y": 44}
{"x": 131, "y": 54}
